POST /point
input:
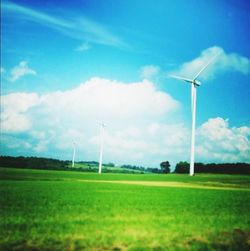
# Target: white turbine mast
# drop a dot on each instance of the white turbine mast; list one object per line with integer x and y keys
{"x": 102, "y": 125}
{"x": 74, "y": 154}
{"x": 194, "y": 84}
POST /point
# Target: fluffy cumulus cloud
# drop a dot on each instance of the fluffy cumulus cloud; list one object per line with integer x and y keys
{"x": 21, "y": 70}
{"x": 149, "y": 71}
{"x": 51, "y": 122}
{"x": 147, "y": 145}
{"x": 143, "y": 126}
{"x": 218, "y": 142}
{"x": 222, "y": 62}
{"x": 106, "y": 100}
{"x": 14, "y": 109}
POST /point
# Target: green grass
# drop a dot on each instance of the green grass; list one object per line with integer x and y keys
{"x": 59, "y": 210}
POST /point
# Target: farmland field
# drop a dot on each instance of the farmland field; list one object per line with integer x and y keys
{"x": 66, "y": 210}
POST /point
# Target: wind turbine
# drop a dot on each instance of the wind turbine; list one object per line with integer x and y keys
{"x": 194, "y": 84}
{"x": 102, "y": 125}
{"x": 74, "y": 154}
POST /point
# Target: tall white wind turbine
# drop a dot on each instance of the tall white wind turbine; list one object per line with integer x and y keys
{"x": 102, "y": 125}
{"x": 194, "y": 84}
{"x": 74, "y": 154}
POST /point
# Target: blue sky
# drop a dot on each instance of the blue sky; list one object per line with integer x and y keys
{"x": 67, "y": 65}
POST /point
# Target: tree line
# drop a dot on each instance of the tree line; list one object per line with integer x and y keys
{"x": 181, "y": 167}
{"x": 142, "y": 169}
{"x": 55, "y": 164}
{"x": 33, "y": 163}
{"x": 222, "y": 168}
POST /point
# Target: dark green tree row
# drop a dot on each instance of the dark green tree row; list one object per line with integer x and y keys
{"x": 181, "y": 167}
{"x": 224, "y": 168}
{"x": 54, "y": 164}
{"x": 165, "y": 168}
{"x": 33, "y": 162}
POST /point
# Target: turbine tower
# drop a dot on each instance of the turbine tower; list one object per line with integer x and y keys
{"x": 74, "y": 154}
{"x": 194, "y": 84}
{"x": 102, "y": 125}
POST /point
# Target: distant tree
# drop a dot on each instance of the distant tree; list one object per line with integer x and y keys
{"x": 165, "y": 167}
{"x": 182, "y": 167}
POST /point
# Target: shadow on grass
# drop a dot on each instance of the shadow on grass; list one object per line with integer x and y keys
{"x": 224, "y": 241}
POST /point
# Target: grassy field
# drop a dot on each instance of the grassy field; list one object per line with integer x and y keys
{"x": 60, "y": 210}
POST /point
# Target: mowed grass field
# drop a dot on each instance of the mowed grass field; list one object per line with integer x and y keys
{"x": 60, "y": 210}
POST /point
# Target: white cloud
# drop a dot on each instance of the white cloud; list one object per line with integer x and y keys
{"x": 218, "y": 142}
{"x": 77, "y": 27}
{"x": 105, "y": 100}
{"x": 141, "y": 145}
{"x": 53, "y": 121}
{"x": 222, "y": 63}
{"x": 14, "y": 109}
{"x": 21, "y": 70}
{"x": 42, "y": 146}
{"x": 2, "y": 70}
{"x": 19, "y": 102}
{"x": 149, "y": 71}
{"x": 83, "y": 47}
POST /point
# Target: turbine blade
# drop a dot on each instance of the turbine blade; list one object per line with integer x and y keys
{"x": 205, "y": 66}
{"x": 182, "y": 78}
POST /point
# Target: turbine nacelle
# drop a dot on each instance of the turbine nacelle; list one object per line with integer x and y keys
{"x": 196, "y": 82}
{"x": 102, "y": 124}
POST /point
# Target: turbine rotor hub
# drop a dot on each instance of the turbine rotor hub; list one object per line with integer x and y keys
{"x": 197, "y": 83}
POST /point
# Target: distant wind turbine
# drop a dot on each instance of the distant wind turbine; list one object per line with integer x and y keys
{"x": 102, "y": 125}
{"x": 194, "y": 84}
{"x": 74, "y": 154}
